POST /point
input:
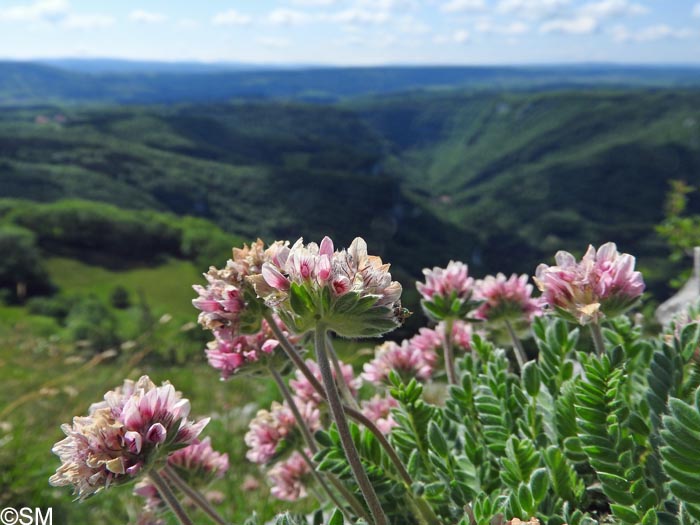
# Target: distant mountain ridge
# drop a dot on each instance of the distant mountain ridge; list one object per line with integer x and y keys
{"x": 26, "y": 83}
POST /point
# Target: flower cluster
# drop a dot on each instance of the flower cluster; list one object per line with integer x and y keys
{"x": 230, "y": 352}
{"x": 350, "y": 291}
{"x": 505, "y": 299}
{"x": 447, "y": 292}
{"x": 603, "y": 284}
{"x": 272, "y": 432}
{"x": 289, "y": 478}
{"x": 378, "y": 409}
{"x": 405, "y": 359}
{"x": 134, "y": 427}
{"x": 306, "y": 393}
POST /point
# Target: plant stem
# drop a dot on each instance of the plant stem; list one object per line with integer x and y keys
{"x": 598, "y": 340}
{"x": 449, "y": 352}
{"x": 319, "y": 478}
{"x": 353, "y": 413}
{"x": 339, "y": 377}
{"x": 311, "y": 445}
{"x": 167, "y": 494}
{"x": 171, "y": 475}
{"x": 338, "y": 414}
{"x": 518, "y": 350}
{"x": 303, "y": 427}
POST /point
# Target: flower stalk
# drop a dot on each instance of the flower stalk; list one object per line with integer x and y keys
{"x": 338, "y": 414}
{"x": 598, "y": 340}
{"x": 171, "y": 475}
{"x": 168, "y": 496}
{"x": 449, "y": 352}
{"x": 518, "y": 350}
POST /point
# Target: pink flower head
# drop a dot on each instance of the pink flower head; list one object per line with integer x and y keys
{"x": 445, "y": 282}
{"x": 230, "y": 353}
{"x": 461, "y": 334}
{"x": 200, "y": 458}
{"x": 318, "y": 279}
{"x": 134, "y": 426}
{"x": 220, "y": 302}
{"x": 270, "y": 430}
{"x": 406, "y": 360}
{"x": 603, "y": 283}
{"x": 289, "y": 478}
{"x": 505, "y": 299}
{"x": 378, "y": 409}
{"x": 305, "y": 392}
{"x": 431, "y": 341}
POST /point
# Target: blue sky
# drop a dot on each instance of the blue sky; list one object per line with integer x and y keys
{"x": 356, "y": 32}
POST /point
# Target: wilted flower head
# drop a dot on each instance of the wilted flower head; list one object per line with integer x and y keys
{"x": 289, "y": 478}
{"x": 447, "y": 292}
{"x": 406, "y": 360}
{"x": 231, "y": 352}
{"x": 306, "y": 393}
{"x": 378, "y": 409}
{"x": 350, "y": 291}
{"x": 603, "y": 283}
{"x": 272, "y": 432}
{"x": 505, "y": 299}
{"x": 135, "y": 426}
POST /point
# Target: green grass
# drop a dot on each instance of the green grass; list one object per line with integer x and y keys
{"x": 167, "y": 288}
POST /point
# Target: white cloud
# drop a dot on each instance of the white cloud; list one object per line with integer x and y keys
{"x": 230, "y": 17}
{"x": 314, "y": 3}
{"x": 87, "y": 21}
{"x": 649, "y": 34}
{"x": 273, "y": 41}
{"x": 461, "y": 36}
{"x": 41, "y": 10}
{"x": 581, "y": 25}
{"x": 455, "y": 6}
{"x": 696, "y": 10}
{"x": 387, "y": 5}
{"x": 359, "y": 16}
{"x": 511, "y": 29}
{"x": 612, "y": 8}
{"x": 288, "y": 17}
{"x": 148, "y": 17}
{"x": 533, "y": 9}
{"x": 458, "y": 37}
{"x": 410, "y": 25}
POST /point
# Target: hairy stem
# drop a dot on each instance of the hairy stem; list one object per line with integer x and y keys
{"x": 173, "y": 477}
{"x": 352, "y": 412}
{"x": 338, "y": 414}
{"x": 167, "y": 494}
{"x": 598, "y": 340}
{"x": 311, "y": 445}
{"x": 449, "y": 352}
{"x": 339, "y": 377}
{"x": 518, "y": 350}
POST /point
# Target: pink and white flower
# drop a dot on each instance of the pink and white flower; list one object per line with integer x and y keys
{"x": 406, "y": 360}
{"x": 444, "y": 282}
{"x": 269, "y": 429}
{"x": 603, "y": 284}
{"x": 289, "y": 478}
{"x": 505, "y": 299}
{"x": 230, "y": 352}
{"x": 326, "y": 278}
{"x": 135, "y": 426}
{"x": 378, "y": 409}
{"x": 306, "y": 393}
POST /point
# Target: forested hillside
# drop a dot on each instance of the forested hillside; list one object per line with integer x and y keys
{"x": 500, "y": 180}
